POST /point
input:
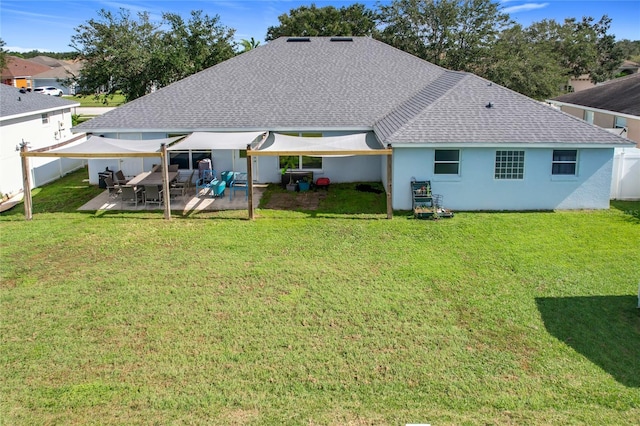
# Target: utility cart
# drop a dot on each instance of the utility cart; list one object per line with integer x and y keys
{"x": 425, "y": 204}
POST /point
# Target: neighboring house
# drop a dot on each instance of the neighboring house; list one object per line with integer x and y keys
{"x": 611, "y": 105}
{"x": 20, "y": 72}
{"x": 41, "y": 121}
{"x": 482, "y": 146}
{"x": 40, "y": 71}
{"x": 59, "y": 71}
{"x": 577, "y": 84}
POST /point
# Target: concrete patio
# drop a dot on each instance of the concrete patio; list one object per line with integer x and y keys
{"x": 187, "y": 203}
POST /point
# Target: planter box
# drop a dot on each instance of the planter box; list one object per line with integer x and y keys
{"x": 303, "y": 186}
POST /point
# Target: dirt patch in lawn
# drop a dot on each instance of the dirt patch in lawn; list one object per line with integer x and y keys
{"x": 296, "y": 200}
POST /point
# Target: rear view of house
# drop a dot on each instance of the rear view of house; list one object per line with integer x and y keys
{"x": 482, "y": 146}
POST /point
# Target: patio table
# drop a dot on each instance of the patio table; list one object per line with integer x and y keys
{"x": 151, "y": 178}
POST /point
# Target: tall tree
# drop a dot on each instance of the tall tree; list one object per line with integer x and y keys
{"x": 189, "y": 47}
{"x": 457, "y": 34}
{"x": 116, "y": 49}
{"x": 135, "y": 56}
{"x": 3, "y": 55}
{"x": 353, "y": 20}
{"x": 526, "y": 63}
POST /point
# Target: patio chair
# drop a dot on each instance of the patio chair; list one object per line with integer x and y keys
{"x": 204, "y": 182}
{"x": 121, "y": 178}
{"x": 112, "y": 187}
{"x": 181, "y": 185}
{"x": 240, "y": 183}
{"x": 152, "y": 194}
{"x": 131, "y": 194}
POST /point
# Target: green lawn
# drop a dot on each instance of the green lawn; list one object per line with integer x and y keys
{"x": 325, "y": 317}
{"x": 98, "y": 101}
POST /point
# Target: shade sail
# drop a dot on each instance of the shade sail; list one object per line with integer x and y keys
{"x": 216, "y": 140}
{"x": 101, "y": 147}
{"x": 327, "y": 146}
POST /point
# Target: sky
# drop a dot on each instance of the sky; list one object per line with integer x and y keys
{"x": 48, "y": 26}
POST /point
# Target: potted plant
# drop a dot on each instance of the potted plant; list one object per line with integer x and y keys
{"x": 288, "y": 166}
{"x": 304, "y": 184}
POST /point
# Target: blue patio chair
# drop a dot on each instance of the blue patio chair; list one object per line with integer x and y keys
{"x": 205, "y": 181}
{"x": 240, "y": 183}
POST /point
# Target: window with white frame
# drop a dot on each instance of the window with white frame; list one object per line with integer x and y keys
{"x": 446, "y": 162}
{"x": 588, "y": 116}
{"x": 509, "y": 165}
{"x": 564, "y": 162}
{"x": 620, "y": 122}
{"x": 301, "y": 162}
{"x": 45, "y": 118}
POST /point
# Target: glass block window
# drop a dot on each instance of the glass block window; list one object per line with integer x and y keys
{"x": 564, "y": 162}
{"x": 509, "y": 165}
{"x": 447, "y": 162}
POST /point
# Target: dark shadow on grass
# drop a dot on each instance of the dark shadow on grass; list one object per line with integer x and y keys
{"x": 605, "y": 329}
{"x": 629, "y": 208}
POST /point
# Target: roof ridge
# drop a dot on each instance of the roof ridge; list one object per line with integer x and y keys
{"x": 406, "y": 111}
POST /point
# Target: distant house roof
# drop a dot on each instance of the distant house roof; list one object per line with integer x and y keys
{"x": 18, "y": 67}
{"x": 621, "y": 95}
{"x": 14, "y": 102}
{"x": 350, "y": 84}
{"x": 58, "y": 68}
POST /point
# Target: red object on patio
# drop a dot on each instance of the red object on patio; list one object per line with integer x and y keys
{"x": 323, "y": 182}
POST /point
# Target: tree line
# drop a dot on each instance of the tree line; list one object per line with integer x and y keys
{"x": 134, "y": 56}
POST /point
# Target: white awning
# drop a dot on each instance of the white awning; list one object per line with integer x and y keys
{"x": 100, "y": 147}
{"x": 326, "y": 146}
{"x": 216, "y": 140}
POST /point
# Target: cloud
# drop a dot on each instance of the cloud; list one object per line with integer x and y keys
{"x": 524, "y": 7}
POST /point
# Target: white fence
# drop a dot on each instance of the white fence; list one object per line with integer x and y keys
{"x": 625, "y": 182}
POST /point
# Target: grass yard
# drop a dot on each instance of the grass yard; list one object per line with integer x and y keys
{"x": 98, "y": 100}
{"x": 317, "y": 317}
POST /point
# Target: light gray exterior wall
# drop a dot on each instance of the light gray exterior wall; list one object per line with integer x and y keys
{"x": 476, "y": 189}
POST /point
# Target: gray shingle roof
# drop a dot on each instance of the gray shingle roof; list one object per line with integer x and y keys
{"x": 13, "y": 102}
{"x": 364, "y": 84}
{"x": 620, "y": 95}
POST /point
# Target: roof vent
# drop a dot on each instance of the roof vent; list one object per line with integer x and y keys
{"x": 298, "y": 39}
{"x": 489, "y": 105}
{"x": 341, "y": 39}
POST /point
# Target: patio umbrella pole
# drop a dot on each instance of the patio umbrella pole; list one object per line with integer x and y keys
{"x": 26, "y": 181}
{"x": 165, "y": 181}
